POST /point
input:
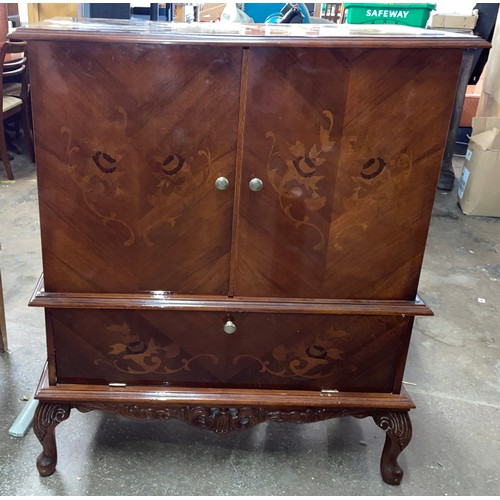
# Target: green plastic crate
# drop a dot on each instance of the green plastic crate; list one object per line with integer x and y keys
{"x": 409, "y": 14}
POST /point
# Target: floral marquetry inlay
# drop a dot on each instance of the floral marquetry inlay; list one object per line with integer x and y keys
{"x": 379, "y": 180}
{"x": 302, "y": 360}
{"x": 137, "y": 356}
{"x": 95, "y": 183}
{"x": 298, "y": 184}
{"x": 103, "y": 175}
{"x": 177, "y": 186}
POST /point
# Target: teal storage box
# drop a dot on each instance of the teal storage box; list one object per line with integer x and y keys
{"x": 409, "y": 14}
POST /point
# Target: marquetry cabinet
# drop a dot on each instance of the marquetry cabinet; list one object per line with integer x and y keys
{"x": 233, "y": 219}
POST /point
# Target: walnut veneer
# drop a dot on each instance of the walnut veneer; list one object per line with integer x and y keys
{"x": 233, "y": 220}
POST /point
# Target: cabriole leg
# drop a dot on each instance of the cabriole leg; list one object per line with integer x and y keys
{"x": 397, "y": 426}
{"x": 47, "y": 418}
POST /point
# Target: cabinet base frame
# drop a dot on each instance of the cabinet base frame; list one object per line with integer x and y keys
{"x": 218, "y": 411}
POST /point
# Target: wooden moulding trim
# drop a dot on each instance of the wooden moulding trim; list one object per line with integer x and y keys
{"x": 155, "y": 396}
{"x": 155, "y": 301}
{"x": 364, "y": 42}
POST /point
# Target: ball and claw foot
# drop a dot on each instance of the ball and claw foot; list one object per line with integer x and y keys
{"x": 397, "y": 426}
{"x": 46, "y": 465}
{"x": 392, "y": 474}
{"x": 47, "y": 417}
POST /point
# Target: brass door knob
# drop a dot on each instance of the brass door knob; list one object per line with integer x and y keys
{"x": 221, "y": 183}
{"x": 229, "y": 327}
{"x": 255, "y": 184}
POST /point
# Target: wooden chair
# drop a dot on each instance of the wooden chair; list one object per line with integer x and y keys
{"x": 12, "y": 85}
{"x": 15, "y": 98}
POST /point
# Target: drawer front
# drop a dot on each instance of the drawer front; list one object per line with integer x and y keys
{"x": 280, "y": 351}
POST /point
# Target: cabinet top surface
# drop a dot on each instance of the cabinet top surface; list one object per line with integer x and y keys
{"x": 306, "y": 35}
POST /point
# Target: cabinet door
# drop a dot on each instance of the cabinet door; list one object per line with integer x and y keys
{"x": 129, "y": 141}
{"x": 348, "y": 145}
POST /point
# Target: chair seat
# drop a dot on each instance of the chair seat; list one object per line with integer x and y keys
{"x": 10, "y": 102}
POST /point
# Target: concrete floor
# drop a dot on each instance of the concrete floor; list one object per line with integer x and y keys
{"x": 453, "y": 367}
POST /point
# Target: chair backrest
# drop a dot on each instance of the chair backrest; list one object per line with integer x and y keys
{"x": 16, "y": 69}
{"x": 3, "y": 51}
{"x": 17, "y": 47}
{"x": 14, "y": 64}
{"x": 9, "y": 47}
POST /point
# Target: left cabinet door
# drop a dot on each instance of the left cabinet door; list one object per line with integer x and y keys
{"x": 130, "y": 139}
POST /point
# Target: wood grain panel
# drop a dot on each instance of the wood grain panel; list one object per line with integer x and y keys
{"x": 350, "y": 176}
{"x": 292, "y": 143}
{"x": 396, "y": 122}
{"x": 348, "y": 352}
{"x": 129, "y": 144}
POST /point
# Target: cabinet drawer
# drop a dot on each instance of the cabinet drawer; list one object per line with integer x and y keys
{"x": 180, "y": 348}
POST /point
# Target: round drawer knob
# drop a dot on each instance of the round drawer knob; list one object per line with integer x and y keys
{"x": 221, "y": 183}
{"x": 255, "y": 184}
{"x": 229, "y": 327}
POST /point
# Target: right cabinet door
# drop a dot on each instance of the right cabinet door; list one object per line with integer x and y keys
{"x": 348, "y": 145}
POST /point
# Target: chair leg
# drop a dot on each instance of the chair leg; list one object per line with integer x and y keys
{"x": 28, "y": 140}
{"x": 17, "y": 131}
{"x": 5, "y": 154}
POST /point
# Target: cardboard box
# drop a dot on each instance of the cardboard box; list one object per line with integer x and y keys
{"x": 453, "y": 21}
{"x": 489, "y": 104}
{"x": 479, "y": 188}
{"x": 211, "y": 12}
{"x": 470, "y": 109}
{"x": 179, "y": 13}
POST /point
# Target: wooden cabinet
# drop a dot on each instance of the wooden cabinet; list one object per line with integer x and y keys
{"x": 233, "y": 224}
